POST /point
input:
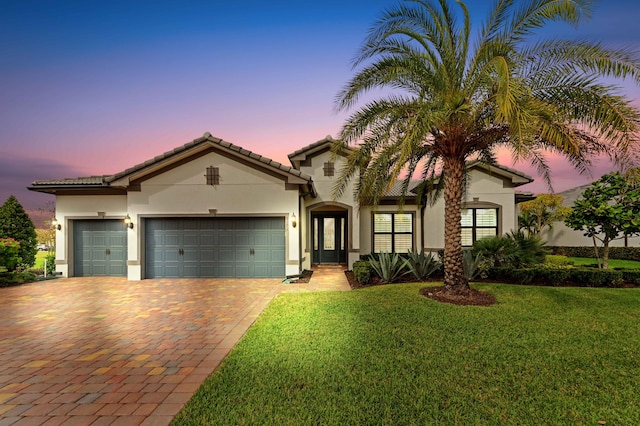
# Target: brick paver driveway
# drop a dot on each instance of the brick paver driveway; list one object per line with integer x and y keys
{"x": 111, "y": 351}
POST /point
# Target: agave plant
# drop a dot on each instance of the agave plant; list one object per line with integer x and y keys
{"x": 390, "y": 267}
{"x": 422, "y": 264}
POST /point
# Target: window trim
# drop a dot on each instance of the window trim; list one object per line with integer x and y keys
{"x": 393, "y": 233}
{"x": 481, "y": 206}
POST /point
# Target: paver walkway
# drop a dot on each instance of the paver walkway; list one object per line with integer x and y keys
{"x": 108, "y": 351}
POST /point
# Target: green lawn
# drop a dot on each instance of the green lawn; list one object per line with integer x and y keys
{"x": 386, "y": 356}
{"x": 613, "y": 263}
{"x": 40, "y": 255}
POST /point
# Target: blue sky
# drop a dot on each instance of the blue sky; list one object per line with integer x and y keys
{"x": 93, "y": 87}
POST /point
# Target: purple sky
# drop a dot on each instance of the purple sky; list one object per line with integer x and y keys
{"x": 93, "y": 87}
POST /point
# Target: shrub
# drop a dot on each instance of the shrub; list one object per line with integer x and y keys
{"x": 581, "y": 277}
{"x": 496, "y": 251}
{"x": 530, "y": 249}
{"x": 9, "y": 254}
{"x": 624, "y": 253}
{"x": 422, "y": 265}
{"x": 596, "y": 277}
{"x": 389, "y": 267}
{"x": 361, "y": 270}
{"x": 15, "y": 223}
{"x": 13, "y": 278}
{"x": 51, "y": 262}
{"x": 631, "y": 276}
{"x": 551, "y": 276}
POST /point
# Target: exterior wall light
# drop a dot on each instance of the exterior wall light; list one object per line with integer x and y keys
{"x": 294, "y": 223}
{"x": 127, "y": 222}
{"x": 55, "y": 224}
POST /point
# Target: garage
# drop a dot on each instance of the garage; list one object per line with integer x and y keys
{"x": 99, "y": 248}
{"x": 251, "y": 247}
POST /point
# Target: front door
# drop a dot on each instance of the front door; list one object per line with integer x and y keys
{"x": 329, "y": 237}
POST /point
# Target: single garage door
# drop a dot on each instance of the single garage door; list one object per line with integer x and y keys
{"x": 215, "y": 248}
{"x": 99, "y": 248}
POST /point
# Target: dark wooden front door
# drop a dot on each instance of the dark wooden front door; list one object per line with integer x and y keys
{"x": 329, "y": 237}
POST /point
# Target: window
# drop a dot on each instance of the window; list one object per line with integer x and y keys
{"x": 329, "y": 168}
{"x": 477, "y": 224}
{"x": 392, "y": 232}
{"x": 213, "y": 175}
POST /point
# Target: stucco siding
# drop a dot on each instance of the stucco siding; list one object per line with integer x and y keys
{"x": 69, "y": 208}
{"x": 325, "y": 201}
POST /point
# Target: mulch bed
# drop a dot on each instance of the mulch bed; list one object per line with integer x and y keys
{"x": 473, "y": 298}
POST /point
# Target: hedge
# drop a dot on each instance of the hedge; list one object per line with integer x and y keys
{"x": 624, "y": 253}
{"x": 580, "y": 277}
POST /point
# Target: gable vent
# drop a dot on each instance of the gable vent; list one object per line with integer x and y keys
{"x": 213, "y": 175}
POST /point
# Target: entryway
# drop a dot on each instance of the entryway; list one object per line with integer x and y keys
{"x": 329, "y": 237}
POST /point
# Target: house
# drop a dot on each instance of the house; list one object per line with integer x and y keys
{"x": 213, "y": 209}
{"x": 560, "y": 235}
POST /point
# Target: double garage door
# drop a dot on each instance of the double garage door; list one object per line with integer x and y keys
{"x": 185, "y": 247}
{"x": 215, "y": 247}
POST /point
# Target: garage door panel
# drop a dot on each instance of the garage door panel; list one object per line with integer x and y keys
{"x": 170, "y": 240}
{"x": 242, "y": 239}
{"x": 225, "y": 239}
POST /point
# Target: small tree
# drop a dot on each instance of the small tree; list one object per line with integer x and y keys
{"x": 608, "y": 210}
{"x": 15, "y": 223}
{"x": 541, "y": 213}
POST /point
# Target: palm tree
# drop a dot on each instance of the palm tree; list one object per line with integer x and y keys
{"x": 445, "y": 102}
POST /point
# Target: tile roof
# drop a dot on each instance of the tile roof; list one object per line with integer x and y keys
{"x": 327, "y": 139}
{"x": 205, "y": 139}
{"x": 570, "y": 196}
{"x": 88, "y": 180}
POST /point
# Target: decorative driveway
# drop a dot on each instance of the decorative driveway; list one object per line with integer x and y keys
{"x": 109, "y": 351}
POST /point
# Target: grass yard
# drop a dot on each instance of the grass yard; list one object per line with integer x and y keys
{"x": 613, "y": 263}
{"x": 40, "y": 255}
{"x": 386, "y": 355}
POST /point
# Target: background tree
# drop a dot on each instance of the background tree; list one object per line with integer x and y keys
{"x": 541, "y": 213}
{"x": 445, "y": 101}
{"x": 15, "y": 223}
{"x": 607, "y": 210}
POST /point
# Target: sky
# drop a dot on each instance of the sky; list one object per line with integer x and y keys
{"x": 94, "y": 87}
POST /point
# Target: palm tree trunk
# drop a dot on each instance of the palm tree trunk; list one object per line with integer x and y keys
{"x": 454, "y": 279}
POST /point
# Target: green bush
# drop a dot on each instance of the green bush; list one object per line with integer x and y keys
{"x": 624, "y": 253}
{"x": 362, "y": 271}
{"x": 9, "y": 254}
{"x": 530, "y": 249}
{"x": 390, "y": 267}
{"x": 516, "y": 249}
{"x": 580, "y": 277}
{"x": 631, "y": 276}
{"x": 51, "y": 262}
{"x": 552, "y": 276}
{"x": 496, "y": 251}
{"x": 422, "y": 264}
{"x": 14, "y": 278}
{"x": 15, "y": 223}
{"x": 596, "y": 277}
